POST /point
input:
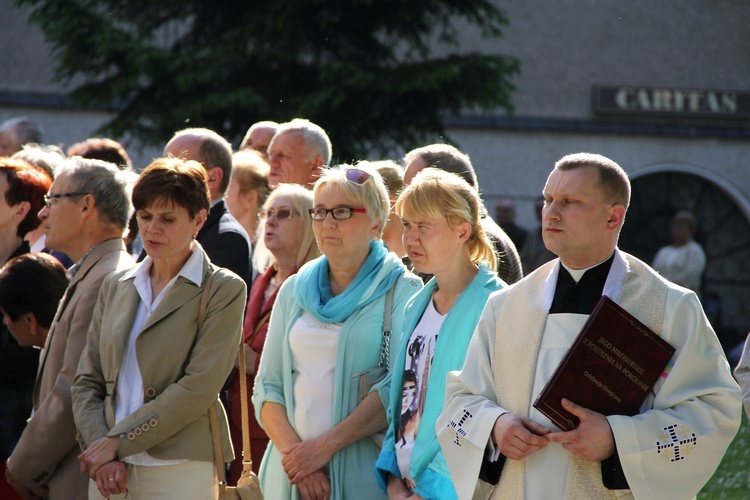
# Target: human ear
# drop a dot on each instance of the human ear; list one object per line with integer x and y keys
{"x": 31, "y": 323}
{"x": 464, "y": 231}
{"x": 215, "y": 175}
{"x": 23, "y": 210}
{"x": 616, "y": 216}
{"x": 199, "y": 220}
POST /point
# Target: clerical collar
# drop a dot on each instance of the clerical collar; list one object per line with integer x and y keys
{"x": 580, "y": 296}
{"x": 577, "y": 274}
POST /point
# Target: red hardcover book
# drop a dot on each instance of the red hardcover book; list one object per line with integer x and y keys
{"x": 611, "y": 367}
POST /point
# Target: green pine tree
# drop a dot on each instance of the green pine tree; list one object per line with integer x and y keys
{"x": 378, "y": 75}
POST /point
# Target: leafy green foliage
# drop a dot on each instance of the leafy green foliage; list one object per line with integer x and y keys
{"x": 731, "y": 480}
{"x": 376, "y": 74}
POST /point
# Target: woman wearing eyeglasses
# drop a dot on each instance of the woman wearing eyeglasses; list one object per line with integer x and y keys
{"x": 326, "y": 331}
{"x": 443, "y": 236}
{"x": 285, "y": 242}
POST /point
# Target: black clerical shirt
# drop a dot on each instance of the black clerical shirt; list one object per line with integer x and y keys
{"x": 581, "y": 297}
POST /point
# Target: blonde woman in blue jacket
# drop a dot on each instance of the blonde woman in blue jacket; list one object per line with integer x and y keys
{"x": 443, "y": 236}
{"x": 325, "y": 332}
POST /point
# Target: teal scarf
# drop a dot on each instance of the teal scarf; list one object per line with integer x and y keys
{"x": 312, "y": 288}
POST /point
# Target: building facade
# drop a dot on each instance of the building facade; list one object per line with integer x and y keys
{"x": 662, "y": 89}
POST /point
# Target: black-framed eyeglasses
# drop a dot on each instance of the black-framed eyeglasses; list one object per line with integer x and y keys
{"x": 357, "y": 176}
{"x": 49, "y": 197}
{"x": 280, "y": 213}
{"x": 338, "y": 213}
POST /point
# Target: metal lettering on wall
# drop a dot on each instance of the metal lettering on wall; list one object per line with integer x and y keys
{"x": 671, "y": 101}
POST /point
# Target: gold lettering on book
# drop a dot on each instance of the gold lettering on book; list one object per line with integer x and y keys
{"x": 602, "y": 386}
{"x": 631, "y": 370}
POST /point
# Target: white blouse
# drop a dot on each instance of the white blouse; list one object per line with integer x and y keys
{"x": 313, "y": 345}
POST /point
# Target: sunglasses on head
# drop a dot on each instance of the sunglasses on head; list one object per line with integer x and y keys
{"x": 357, "y": 176}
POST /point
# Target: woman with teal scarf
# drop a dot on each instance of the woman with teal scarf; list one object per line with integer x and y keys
{"x": 443, "y": 236}
{"x": 325, "y": 333}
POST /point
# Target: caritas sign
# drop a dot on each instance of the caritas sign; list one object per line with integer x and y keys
{"x": 670, "y": 101}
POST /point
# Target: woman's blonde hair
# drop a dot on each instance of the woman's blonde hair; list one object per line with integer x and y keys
{"x": 371, "y": 195}
{"x": 439, "y": 194}
{"x": 250, "y": 171}
{"x": 302, "y": 201}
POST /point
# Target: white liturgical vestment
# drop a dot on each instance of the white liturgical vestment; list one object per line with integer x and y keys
{"x": 670, "y": 450}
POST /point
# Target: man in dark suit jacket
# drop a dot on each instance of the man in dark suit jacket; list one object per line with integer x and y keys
{"x": 223, "y": 238}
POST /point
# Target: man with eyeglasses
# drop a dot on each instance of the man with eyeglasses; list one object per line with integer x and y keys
{"x": 297, "y": 153}
{"x": 85, "y": 215}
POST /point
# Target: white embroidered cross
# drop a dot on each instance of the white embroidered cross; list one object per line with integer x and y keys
{"x": 680, "y": 439}
{"x": 461, "y": 428}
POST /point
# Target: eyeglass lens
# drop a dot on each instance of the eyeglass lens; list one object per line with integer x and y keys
{"x": 338, "y": 213}
{"x": 281, "y": 213}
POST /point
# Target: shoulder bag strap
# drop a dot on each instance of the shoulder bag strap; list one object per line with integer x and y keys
{"x": 385, "y": 346}
{"x": 247, "y": 457}
{"x": 221, "y": 471}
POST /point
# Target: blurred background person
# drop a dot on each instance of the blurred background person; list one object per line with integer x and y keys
{"x": 16, "y": 132}
{"x": 31, "y": 286}
{"x": 444, "y": 237}
{"x": 326, "y": 331}
{"x": 505, "y": 216}
{"x": 393, "y": 178}
{"x": 148, "y": 431}
{"x": 104, "y": 149}
{"x": 48, "y": 158}
{"x": 534, "y": 253}
{"x": 247, "y": 190}
{"x": 44, "y": 156}
{"x": 684, "y": 261}
{"x": 22, "y": 191}
{"x": 259, "y": 136}
{"x": 88, "y": 206}
{"x": 286, "y": 243}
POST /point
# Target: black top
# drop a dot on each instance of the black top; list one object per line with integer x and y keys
{"x": 581, "y": 297}
{"x": 18, "y": 366}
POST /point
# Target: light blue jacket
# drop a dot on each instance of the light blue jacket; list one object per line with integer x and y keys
{"x": 358, "y": 351}
{"x": 428, "y": 467}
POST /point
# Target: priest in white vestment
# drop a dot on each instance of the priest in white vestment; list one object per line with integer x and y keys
{"x": 496, "y": 444}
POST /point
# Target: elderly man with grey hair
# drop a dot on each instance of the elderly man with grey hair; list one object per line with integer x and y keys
{"x": 450, "y": 159}
{"x": 16, "y": 132}
{"x": 86, "y": 213}
{"x": 297, "y": 153}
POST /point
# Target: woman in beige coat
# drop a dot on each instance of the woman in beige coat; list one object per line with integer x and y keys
{"x": 149, "y": 372}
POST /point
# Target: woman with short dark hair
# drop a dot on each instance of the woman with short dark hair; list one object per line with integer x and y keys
{"x": 152, "y": 368}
